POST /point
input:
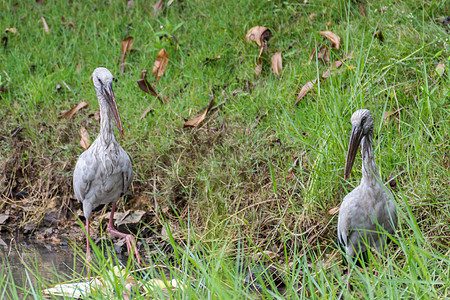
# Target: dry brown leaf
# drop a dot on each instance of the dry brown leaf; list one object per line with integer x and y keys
{"x": 147, "y": 87}
{"x": 277, "y": 63}
{"x": 160, "y": 63}
{"x": 311, "y": 16}
{"x": 69, "y": 113}
{"x": 197, "y": 120}
{"x": 157, "y": 8}
{"x": 11, "y": 30}
{"x": 329, "y": 23}
{"x": 79, "y": 68}
{"x": 379, "y": 35}
{"x": 440, "y": 69}
{"x": 47, "y": 30}
{"x": 260, "y": 35}
{"x": 258, "y": 67}
{"x": 84, "y": 141}
{"x": 127, "y": 43}
{"x": 388, "y": 114}
{"x": 333, "y": 210}
{"x": 97, "y": 116}
{"x": 337, "y": 64}
{"x": 323, "y": 54}
{"x": 305, "y": 89}
{"x": 332, "y": 37}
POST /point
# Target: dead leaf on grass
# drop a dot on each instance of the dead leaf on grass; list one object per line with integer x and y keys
{"x": 71, "y": 112}
{"x": 260, "y": 35}
{"x": 127, "y": 43}
{"x": 305, "y": 89}
{"x": 388, "y": 114}
{"x": 11, "y": 30}
{"x": 79, "y": 68}
{"x": 337, "y": 64}
{"x": 311, "y": 16}
{"x": 84, "y": 141}
{"x": 379, "y": 35}
{"x": 258, "y": 67}
{"x": 197, "y": 120}
{"x": 440, "y": 69}
{"x": 157, "y": 8}
{"x": 323, "y": 54}
{"x": 46, "y": 29}
{"x": 333, "y": 210}
{"x": 160, "y": 63}
{"x": 332, "y": 37}
{"x": 277, "y": 63}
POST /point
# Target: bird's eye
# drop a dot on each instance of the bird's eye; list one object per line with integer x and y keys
{"x": 363, "y": 120}
{"x": 100, "y": 81}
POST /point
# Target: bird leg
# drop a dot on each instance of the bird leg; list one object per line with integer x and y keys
{"x": 88, "y": 249}
{"x": 131, "y": 245}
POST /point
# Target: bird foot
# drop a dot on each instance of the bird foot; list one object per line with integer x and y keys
{"x": 131, "y": 245}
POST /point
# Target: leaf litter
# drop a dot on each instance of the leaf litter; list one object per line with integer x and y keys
{"x": 160, "y": 63}
{"x": 197, "y": 120}
{"x": 127, "y": 44}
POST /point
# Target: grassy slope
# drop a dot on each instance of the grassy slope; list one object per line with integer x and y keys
{"x": 229, "y": 181}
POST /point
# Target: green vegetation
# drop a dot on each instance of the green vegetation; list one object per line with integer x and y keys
{"x": 226, "y": 192}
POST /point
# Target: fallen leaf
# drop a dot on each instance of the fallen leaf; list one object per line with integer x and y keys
{"x": 11, "y": 30}
{"x": 147, "y": 88}
{"x": 47, "y": 30}
{"x": 69, "y": 113}
{"x": 379, "y": 36}
{"x": 388, "y": 114}
{"x": 258, "y": 67}
{"x": 323, "y": 54}
{"x": 157, "y": 8}
{"x": 79, "y": 68}
{"x": 329, "y": 23}
{"x": 127, "y": 43}
{"x": 337, "y": 64}
{"x": 332, "y": 37}
{"x": 305, "y": 89}
{"x": 440, "y": 69}
{"x": 311, "y": 16}
{"x": 333, "y": 210}
{"x": 197, "y": 120}
{"x": 84, "y": 141}
{"x": 160, "y": 63}
{"x": 260, "y": 35}
{"x": 277, "y": 63}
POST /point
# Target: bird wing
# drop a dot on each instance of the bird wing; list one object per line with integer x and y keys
{"x": 127, "y": 172}
{"x": 83, "y": 175}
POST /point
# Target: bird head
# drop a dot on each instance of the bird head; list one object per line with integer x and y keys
{"x": 362, "y": 125}
{"x": 102, "y": 79}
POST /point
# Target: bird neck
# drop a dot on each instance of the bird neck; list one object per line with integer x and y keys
{"x": 370, "y": 172}
{"x": 106, "y": 134}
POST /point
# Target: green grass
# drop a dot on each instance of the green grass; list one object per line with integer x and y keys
{"x": 225, "y": 191}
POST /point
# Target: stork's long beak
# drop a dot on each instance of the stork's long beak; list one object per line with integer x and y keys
{"x": 111, "y": 100}
{"x": 355, "y": 140}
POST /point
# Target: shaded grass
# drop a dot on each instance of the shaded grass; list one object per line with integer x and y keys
{"x": 228, "y": 186}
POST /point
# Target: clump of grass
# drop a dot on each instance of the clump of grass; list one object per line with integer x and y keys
{"x": 228, "y": 189}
